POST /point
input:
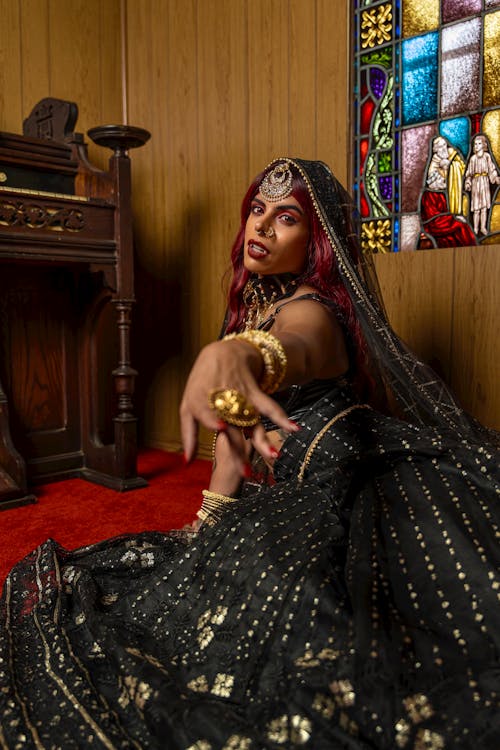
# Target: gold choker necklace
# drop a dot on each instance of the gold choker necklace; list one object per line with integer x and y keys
{"x": 261, "y": 293}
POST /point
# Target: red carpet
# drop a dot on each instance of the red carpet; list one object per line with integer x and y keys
{"x": 76, "y": 513}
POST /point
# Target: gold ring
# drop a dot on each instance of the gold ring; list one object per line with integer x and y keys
{"x": 232, "y": 407}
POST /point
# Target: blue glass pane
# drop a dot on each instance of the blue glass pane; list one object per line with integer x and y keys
{"x": 420, "y": 78}
{"x": 457, "y": 132}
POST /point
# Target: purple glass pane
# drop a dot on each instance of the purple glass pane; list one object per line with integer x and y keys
{"x": 452, "y": 10}
{"x": 377, "y": 81}
{"x": 385, "y": 184}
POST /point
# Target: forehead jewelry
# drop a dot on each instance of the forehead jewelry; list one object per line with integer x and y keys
{"x": 277, "y": 183}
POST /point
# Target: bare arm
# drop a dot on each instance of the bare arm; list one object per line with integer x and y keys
{"x": 314, "y": 346}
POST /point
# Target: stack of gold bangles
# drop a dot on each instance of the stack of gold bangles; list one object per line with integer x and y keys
{"x": 230, "y": 405}
{"x": 212, "y": 507}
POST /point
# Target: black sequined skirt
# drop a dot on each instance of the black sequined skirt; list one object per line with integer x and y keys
{"x": 354, "y": 604}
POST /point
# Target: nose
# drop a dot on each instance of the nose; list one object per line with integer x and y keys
{"x": 269, "y": 232}
{"x": 263, "y": 229}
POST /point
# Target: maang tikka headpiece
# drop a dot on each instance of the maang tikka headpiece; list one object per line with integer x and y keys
{"x": 278, "y": 183}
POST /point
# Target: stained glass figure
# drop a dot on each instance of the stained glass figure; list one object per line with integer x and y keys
{"x": 481, "y": 174}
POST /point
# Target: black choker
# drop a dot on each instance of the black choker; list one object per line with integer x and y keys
{"x": 262, "y": 292}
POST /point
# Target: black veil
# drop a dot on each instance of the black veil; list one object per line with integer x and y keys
{"x": 414, "y": 390}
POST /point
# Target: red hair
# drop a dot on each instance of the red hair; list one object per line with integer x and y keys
{"x": 321, "y": 273}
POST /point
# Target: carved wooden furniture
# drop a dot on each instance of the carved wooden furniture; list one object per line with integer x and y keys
{"x": 66, "y": 295}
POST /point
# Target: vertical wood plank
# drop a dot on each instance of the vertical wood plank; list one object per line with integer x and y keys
{"x": 302, "y": 79}
{"x": 76, "y": 58}
{"x": 333, "y": 87}
{"x": 10, "y": 68}
{"x": 417, "y": 290}
{"x": 268, "y": 80}
{"x": 110, "y": 62}
{"x": 35, "y": 74}
{"x": 223, "y": 144}
{"x": 475, "y": 373}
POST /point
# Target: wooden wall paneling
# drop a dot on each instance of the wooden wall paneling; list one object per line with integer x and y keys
{"x": 302, "y": 72}
{"x": 77, "y": 59}
{"x": 475, "y": 373}
{"x": 163, "y": 95}
{"x": 35, "y": 54}
{"x": 224, "y": 87}
{"x": 185, "y": 205}
{"x": 10, "y": 67}
{"x": 223, "y": 144}
{"x": 223, "y": 133}
{"x": 333, "y": 87}
{"x": 145, "y": 109}
{"x": 268, "y": 82}
{"x": 417, "y": 290}
{"x": 110, "y": 63}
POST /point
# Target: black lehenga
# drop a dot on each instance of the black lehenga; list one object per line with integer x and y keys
{"x": 353, "y": 604}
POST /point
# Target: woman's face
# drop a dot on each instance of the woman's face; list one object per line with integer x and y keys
{"x": 276, "y": 237}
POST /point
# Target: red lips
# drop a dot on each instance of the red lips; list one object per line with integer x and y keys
{"x": 256, "y": 250}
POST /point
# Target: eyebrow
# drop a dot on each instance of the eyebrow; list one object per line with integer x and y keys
{"x": 281, "y": 206}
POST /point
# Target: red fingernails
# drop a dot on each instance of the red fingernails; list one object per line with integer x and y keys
{"x": 296, "y": 427}
{"x": 273, "y": 452}
{"x": 221, "y": 426}
{"x": 247, "y": 471}
{"x": 186, "y": 460}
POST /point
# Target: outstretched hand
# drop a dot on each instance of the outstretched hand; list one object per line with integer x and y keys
{"x": 227, "y": 364}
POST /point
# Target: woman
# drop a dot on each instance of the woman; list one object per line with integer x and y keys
{"x": 346, "y": 598}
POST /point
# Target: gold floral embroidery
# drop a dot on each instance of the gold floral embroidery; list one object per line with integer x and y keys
{"x": 343, "y": 692}
{"x": 132, "y": 689}
{"x": 206, "y": 620}
{"x": 237, "y": 742}
{"x": 402, "y": 728}
{"x": 200, "y": 745}
{"x": 324, "y": 705}
{"x": 311, "y": 660}
{"x": 199, "y": 684}
{"x": 418, "y": 707}
{"x": 427, "y": 740}
{"x": 295, "y": 729}
{"x": 223, "y": 685}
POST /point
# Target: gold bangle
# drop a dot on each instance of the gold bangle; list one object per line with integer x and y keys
{"x": 212, "y": 507}
{"x": 273, "y": 356}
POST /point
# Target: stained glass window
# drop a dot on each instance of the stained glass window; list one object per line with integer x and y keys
{"x": 427, "y": 123}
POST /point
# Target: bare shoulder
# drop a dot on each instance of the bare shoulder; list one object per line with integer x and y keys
{"x": 304, "y": 310}
{"x": 316, "y": 331}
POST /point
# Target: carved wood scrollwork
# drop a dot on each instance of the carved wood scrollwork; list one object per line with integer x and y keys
{"x": 31, "y": 216}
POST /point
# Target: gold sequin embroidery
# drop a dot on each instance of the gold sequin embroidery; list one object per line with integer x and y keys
{"x": 295, "y": 729}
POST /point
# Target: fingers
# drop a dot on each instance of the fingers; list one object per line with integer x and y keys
{"x": 262, "y": 444}
{"x": 189, "y": 435}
